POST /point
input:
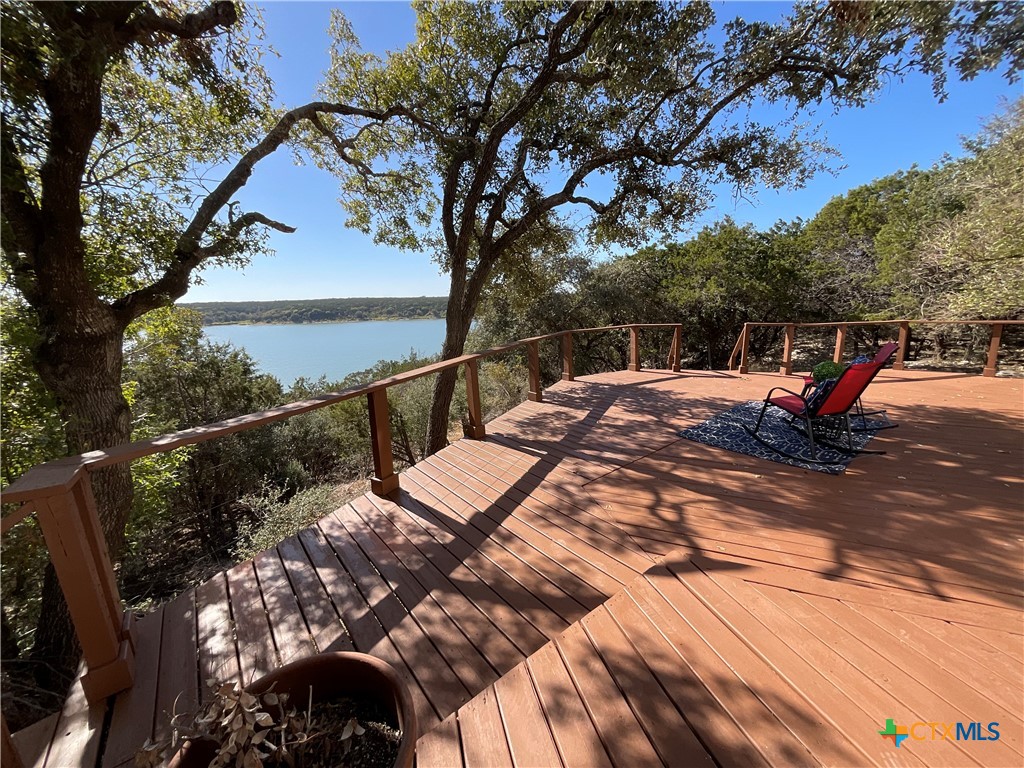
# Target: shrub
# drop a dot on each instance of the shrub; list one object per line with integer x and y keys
{"x": 275, "y": 520}
{"x": 827, "y": 370}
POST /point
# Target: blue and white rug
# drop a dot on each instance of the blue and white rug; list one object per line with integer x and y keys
{"x": 726, "y": 431}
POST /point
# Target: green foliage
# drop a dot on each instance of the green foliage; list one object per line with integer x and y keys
{"x": 196, "y": 383}
{"x": 864, "y": 242}
{"x": 32, "y": 431}
{"x": 503, "y": 385}
{"x": 498, "y": 96}
{"x": 729, "y": 275}
{"x": 939, "y": 243}
{"x": 971, "y": 264}
{"x": 827, "y": 370}
{"x": 171, "y": 113}
{"x": 273, "y": 520}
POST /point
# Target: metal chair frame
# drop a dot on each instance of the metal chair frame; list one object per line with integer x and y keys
{"x": 812, "y": 417}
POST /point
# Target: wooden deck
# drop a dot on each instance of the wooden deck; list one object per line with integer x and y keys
{"x": 585, "y": 588}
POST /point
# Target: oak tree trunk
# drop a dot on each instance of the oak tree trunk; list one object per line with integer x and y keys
{"x": 457, "y": 322}
{"x": 81, "y": 367}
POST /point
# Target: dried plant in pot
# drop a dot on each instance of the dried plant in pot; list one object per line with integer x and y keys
{"x": 331, "y": 709}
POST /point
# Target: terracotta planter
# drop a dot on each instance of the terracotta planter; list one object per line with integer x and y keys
{"x": 331, "y": 675}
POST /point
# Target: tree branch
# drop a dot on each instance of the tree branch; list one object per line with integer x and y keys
{"x": 597, "y": 207}
{"x": 221, "y": 14}
{"x": 342, "y": 147}
{"x": 189, "y": 252}
{"x": 517, "y": 111}
{"x": 239, "y": 225}
{"x": 497, "y": 211}
{"x": 20, "y": 208}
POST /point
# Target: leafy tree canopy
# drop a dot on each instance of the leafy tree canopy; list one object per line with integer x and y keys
{"x": 971, "y": 263}
{"x": 128, "y": 128}
{"x": 171, "y": 110}
{"x": 527, "y": 119}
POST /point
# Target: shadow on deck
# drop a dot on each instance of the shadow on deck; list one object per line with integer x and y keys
{"x": 583, "y": 587}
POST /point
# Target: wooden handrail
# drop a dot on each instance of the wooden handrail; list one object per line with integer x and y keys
{"x": 743, "y": 342}
{"x": 832, "y": 324}
{"x": 58, "y": 473}
{"x": 59, "y": 493}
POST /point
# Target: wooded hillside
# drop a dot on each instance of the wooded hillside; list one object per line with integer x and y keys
{"x": 320, "y": 310}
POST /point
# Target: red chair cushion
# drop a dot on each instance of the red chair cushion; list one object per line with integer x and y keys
{"x": 790, "y": 403}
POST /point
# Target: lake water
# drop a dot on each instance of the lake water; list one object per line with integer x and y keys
{"x": 333, "y": 350}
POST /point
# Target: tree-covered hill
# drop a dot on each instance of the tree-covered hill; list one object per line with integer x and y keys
{"x": 320, "y": 310}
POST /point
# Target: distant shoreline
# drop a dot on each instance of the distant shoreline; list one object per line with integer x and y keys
{"x": 322, "y": 322}
{"x": 318, "y": 311}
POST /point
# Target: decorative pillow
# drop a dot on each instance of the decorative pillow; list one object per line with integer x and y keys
{"x": 862, "y": 359}
{"x": 819, "y": 394}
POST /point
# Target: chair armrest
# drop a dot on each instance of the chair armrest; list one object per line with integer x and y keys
{"x": 787, "y": 391}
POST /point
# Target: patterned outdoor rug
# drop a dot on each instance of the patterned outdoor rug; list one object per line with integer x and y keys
{"x": 726, "y": 431}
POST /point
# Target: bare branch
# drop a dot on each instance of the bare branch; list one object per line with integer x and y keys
{"x": 597, "y": 207}
{"x": 237, "y": 227}
{"x": 189, "y": 252}
{"x": 342, "y": 147}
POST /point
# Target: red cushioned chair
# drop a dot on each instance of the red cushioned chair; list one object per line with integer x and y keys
{"x": 884, "y": 353}
{"x": 829, "y": 411}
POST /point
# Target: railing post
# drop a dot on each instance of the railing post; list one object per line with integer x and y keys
{"x": 634, "y": 348}
{"x": 78, "y": 551}
{"x": 384, "y": 479}
{"x": 677, "y": 347}
{"x": 533, "y": 364}
{"x": 567, "y": 374}
{"x": 787, "y": 351}
{"x": 992, "y": 365}
{"x": 745, "y": 348}
{"x": 476, "y": 413}
{"x": 904, "y": 342}
{"x": 837, "y": 356}
{"x": 735, "y": 351}
{"x": 9, "y": 756}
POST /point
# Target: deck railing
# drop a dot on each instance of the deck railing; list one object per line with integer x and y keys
{"x": 742, "y": 346}
{"x": 60, "y": 494}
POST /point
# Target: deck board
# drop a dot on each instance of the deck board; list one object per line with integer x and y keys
{"x": 257, "y": 655}
{"x": 495, "y": 648}
{"x": 441, "y": 746}
{"x": 529, "y": 738}
{"x": 218, "y": 655}
{"x": 574, "y": 732}
{"x": 617, "y": 725}
{"x": 290, "y": 634}
{"x": 442, "y": 687}
{"x": 77, "y": 737}
{"x": 670, "y": 734}
{"x": 693, "y": 695}
{"x": 136, "y": 710}
{"x": 584, "y": 587}
{"x": 448, "y": 556}
{"x": 325, "y": 626}
{"x": 465, "y": 660}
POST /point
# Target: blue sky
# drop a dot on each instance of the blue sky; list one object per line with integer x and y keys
{"x": 324, "y": 259}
